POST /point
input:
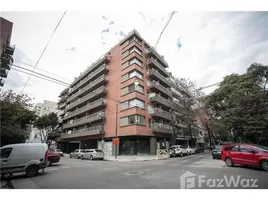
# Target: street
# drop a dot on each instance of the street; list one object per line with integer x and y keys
{"x": 156, "y": 174}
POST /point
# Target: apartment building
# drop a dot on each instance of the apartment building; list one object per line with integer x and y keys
{"x": 45, "y": 108}
{"x": 126, "y": 93}
{"x": 6, "y": 50}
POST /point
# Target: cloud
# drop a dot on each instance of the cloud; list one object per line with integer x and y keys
{"x": 179, "y": 45}
{"x": 111, "y": 23}
{"x": 122, "y": 34}
{"x": 103, "y": 17}
{"x": 105, "y": 30}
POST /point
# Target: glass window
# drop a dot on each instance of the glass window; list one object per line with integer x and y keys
{"x": 133, "y": 119}
{"x": 135, "y": 74}
{"x": 124, "y": 90}
{"x": 135, "y": 61}
{"x": 5, "y": 153}
{"x": 245, "y": 149}
{"x": 138, "y": 51}
{"x": 124, "y": 105}
{"x": 139, "y": 89}
{"x": 136, "y": 103}
{"x": 123, "y": 121}
{"x": 125, "y": 65}
{"x": 124, "y": 78}
{"x": 234, "y": 148}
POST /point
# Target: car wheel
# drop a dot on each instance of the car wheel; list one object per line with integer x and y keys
{"x": 91, "y": 158}
{"x": 32, "y": 170}
{"x": 82, "y": 157}
{"x": 213, "y": 157}
{"x": 229, "y": 162}
{"x": 187, "y": 153}
{"x": 181, "y": 154}
{"x": 48, "y": 163}
{"x": 264, "y": 165}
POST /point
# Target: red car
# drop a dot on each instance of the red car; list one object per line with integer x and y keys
{"x": 245, "y": 154}
{"x": 52, "y": 158}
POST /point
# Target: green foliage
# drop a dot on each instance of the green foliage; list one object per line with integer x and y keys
{"x": 47, "y": 124}
{"x": 241, "y": 103}
{"x": 16, "y": 117}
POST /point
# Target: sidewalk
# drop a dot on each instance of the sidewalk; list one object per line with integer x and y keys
{"x": 131, "y": 158}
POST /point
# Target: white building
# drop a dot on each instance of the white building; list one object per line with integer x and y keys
{"x": 46, "y": 107}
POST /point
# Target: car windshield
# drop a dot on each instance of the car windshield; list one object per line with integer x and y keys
{"x": 262, "y": 148}
{"x": 83, "y": 151}
{"x": 97, "y": 150}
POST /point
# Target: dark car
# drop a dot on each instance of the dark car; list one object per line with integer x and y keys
{"x": 216, "y": 152}
{"x": 52, "y": 158}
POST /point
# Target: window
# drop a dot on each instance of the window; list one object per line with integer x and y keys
{"x": 5, "y": 153}
{"x": 131, "y": 62}
{"x": 131, "y": 74}
{"x": 138, "y": 51}
{"x": 245, "y": 149}
{"x": 233, "y": 148}
{"x": 135, "y": 38}
{"x": 132, "y": 120}
{"x": 132, "y": 103}
{"x": 132, "y": 88}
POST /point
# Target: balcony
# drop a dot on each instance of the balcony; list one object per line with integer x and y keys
{"x": 158, "y": 86}
{"x": 159, "y": 99}
{"x": 103, "y": 60}
{"x": 85, "y": 120}
{"x": 155, "y": 73}
{"x": 60, "y": 113}
{"x": 95, "y": 130}
{"x": 3, "y": 73}
{"x": 161, "y": 59}
{"x": 9, "y": 49}
{"x": 61, "y": 106}
{"x": 86, "y": 108}
{"x": 6, "y": 59}
{"x": 161, "y": 113}
{"x": 162, "y": 128}
{"x": 91, "y": 85}
{"x": 97, "y": 72}
{"x": 94, "y": 94}
{"x": 152, "y": 61}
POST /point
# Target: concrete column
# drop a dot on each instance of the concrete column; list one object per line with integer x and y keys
{"x": 153, "y": 145}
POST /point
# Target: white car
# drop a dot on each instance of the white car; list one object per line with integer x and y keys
{"x": 25, "y": 157}
{"x": 59, "y": 152}
{"x": 93, "y": 154}
{"x": 176, "y": 150}
{"x": 77, "y": 153}
{"x": 190, "y": 150}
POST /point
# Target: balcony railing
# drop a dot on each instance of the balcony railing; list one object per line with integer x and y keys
{"x": 85, "y": 120}
{"x": 162, "y": 128}
{"x": 9, "y": 49}
{"x": 87, "y": 97}
{"x": 160, "y": 58}
{"x": 158, "y": 65}
{"x": 85, "y": 108}
{"x": 94, "y": 130}
{"x": 154, "y": 84}
{"x": 7, "y": 59}
{"x": 88, "y": 87}
{"x": 3, "y": 73}
{"x": 161, "y": 113}
{"x": 90, "y": 76}
{"x": 103, "y": 58}
{"x": 157, "y": 98}
{"x": 159, "y": 76}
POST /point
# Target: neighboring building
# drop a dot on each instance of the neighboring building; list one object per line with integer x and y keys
{"x": 133, "y": 75}
{"x": 6, "y": 50}
{"x": 45, "y": 108}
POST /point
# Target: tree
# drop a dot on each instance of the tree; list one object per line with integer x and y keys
{"x": 16, "y": 117}
{"x": 47, "y": 125}
{"x": 241, "y": 103}
{"x": 184, "y": 107}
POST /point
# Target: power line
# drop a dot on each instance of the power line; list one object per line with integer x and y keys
{"x": 43, "y": 51}
{"x": 171, "y": 15}
{"x": 40, "y": 74}
{"x": 38, "y": 77}
{"x": 42, "y": 70}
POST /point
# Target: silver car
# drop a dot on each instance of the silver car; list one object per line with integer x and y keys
{"x": 77, "y": 153}
{"x": 93, "y": 154}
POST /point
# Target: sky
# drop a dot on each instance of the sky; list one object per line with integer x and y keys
{"x": 201, "y": 46}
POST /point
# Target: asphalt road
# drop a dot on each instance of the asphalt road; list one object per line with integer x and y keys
{"x": 201, "y": 172}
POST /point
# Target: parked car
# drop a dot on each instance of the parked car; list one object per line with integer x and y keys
{"x": 245, "y": 154}
{"x": 93, "y": 154}
{"x": 59, "y": 152}
{"x": 77, "y": 153}
{"x": 26, "y": 157}
{"x": 200, "y": 150}
{"x": 216, "y": 152}
{"x": 176, "y": 150}
{"x": 190, "y": 150}
{"x": 52, "y": 158}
